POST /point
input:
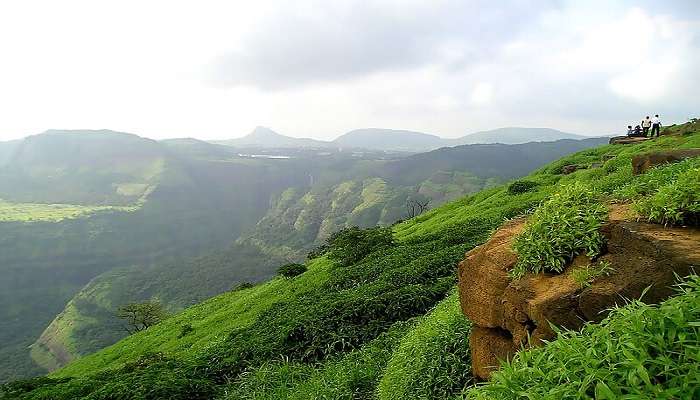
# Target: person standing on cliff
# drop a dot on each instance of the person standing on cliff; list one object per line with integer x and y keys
{"x": 655, "y": 126}
{"x": 646, "y": 124}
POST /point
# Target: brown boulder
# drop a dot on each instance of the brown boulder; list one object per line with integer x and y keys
{"x": 488, "y": 347}
{"x": 643, "y": 256}
{"x": 643, "y": 162}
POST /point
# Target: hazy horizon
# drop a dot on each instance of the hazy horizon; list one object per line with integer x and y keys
{"x": 216, "y": 70}
{"x": 328, "y": 138}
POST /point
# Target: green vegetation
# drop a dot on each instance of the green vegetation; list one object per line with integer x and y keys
{"x": 375, "y": 313}
{"x": 564, "y": 226}
{"x": 350, "y": 245}
{"x": 28, "y": 212}
{"x": 677, "y": 202}
{"x": 291, "y": 270}
{"x": 640, "y": 351}
{"x": 433, "y": 360}
{"x": 586, "y": 274}
{"x": 137, "y": 317}
{"x": 521, "y": 186}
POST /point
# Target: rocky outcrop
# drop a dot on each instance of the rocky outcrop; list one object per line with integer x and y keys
{"x": 643, "y": 162}
{"x": 627, "y": 139}
{"x": 510, "y": 314}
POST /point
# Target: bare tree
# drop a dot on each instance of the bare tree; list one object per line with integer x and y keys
{"x": 141, "y": 316}
{"x": 416, "y": 207}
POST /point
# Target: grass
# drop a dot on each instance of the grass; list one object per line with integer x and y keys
{"x": 639, "y": 351}
{"x": 563, "y": 227}
{"x": 583, "y": 276}
{"x": 388, "y": 324}
{"x": 211, "y": 320}
{"x": 433, "y": 359}
{"x": 34, "y": 212}
{"x": 676, "y": 202}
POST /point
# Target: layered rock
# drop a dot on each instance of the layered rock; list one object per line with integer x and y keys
{"x": 643, "y": 162}
{"x": 511, "y": 314}
{"x": 627, "y": 139}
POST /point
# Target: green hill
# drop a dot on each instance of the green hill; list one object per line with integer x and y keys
{"x": 346, "y": 192}
{"x": 375, "y": 317}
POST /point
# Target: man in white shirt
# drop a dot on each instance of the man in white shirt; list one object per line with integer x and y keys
{"x": 646, "y": 125}
{"x": 655, "y": 125}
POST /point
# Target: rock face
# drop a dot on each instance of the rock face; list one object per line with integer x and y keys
{"x": 643, "y": 162}
{"x": 627, "y": 139}
{"x": 510, "y": 314}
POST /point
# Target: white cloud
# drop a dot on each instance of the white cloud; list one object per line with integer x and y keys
{"x": 482, "y": 94}
{"x": 318, "y": 69}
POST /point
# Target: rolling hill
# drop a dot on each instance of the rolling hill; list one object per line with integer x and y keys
{"x": 515, "y": 135}
{"x": 376, "y": 315}
{"x": 389, "y": 140}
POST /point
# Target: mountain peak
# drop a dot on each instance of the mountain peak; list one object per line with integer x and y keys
{"x": 263, "y": 132}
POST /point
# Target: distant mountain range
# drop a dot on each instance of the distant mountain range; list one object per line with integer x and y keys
{"x": 399, "y": 140}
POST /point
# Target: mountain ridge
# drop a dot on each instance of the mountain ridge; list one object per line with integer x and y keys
{"x": 399, "y": 139}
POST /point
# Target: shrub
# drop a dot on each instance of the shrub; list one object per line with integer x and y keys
{"x": 639, "y": 351}
{"x": 562, "y": 227}
{"x": 677, "y": 202}
{"x": 291, "y": 270}
{"x": 522, "y": 186}
{"x": 351, "y": 245}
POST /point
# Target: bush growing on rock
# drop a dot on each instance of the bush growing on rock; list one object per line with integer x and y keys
{"x": 566, "y": 225}
{"x": 291, "y": 270}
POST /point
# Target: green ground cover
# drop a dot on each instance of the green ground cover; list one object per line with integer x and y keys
{"x": 387, "y": 322}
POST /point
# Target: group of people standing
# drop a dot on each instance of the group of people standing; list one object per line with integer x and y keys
{"x": 642, "y": 130}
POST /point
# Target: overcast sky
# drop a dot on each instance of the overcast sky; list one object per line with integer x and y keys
{"x": 216, "y": 69}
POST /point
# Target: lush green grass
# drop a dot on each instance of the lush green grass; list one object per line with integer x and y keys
{"x": 676, "y": 202}
{"x": 212, "y": 321}
{"x": 433, "y": 360}
{"x": 383, "y": 324}
{"x": 564, "y": 226}
{"x": 351, "y": 376}
{"x": 639, "y": 352}
{"x": 34, "y": 212}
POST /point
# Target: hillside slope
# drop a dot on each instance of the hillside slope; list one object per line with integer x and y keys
{"x": 285, "y": 215}
{"x": 48, "y": 251}
{"x": 327, "y": 332}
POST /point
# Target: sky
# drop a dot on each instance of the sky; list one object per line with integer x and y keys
{"x": 217, "y": 69}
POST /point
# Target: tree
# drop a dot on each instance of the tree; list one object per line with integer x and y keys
{"x": 415, "y": 207}
{"x": 350, "y": 245}
{"x": 140, "y": 316}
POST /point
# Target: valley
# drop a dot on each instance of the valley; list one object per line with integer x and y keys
{"x": 96, "y": 219}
